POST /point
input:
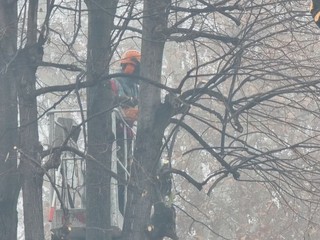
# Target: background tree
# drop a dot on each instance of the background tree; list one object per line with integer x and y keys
{"x": 148, "y": 145}
{"x": 19, "y": 69}
{"x": 258, "y": 65}
{"x": 27, "y": 60}
{"x": 245, "y": 75}
{"x": 100, "y": 102}
{"x": 243, "y": 95}
{"x": 9, "y": 180}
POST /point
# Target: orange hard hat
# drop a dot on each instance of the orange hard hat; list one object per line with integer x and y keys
{"x": 131, "y": 56}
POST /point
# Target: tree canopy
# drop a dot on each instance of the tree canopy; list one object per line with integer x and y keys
{"x": 228, "y": 97}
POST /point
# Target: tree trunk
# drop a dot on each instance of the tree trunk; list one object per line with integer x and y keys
{"x": 99, "y": 98}
{"x": 149, "y": 141}
{"x": 31, "y": 173}
{"x": 9, "y": 177}
{"x": 29, "y": 148}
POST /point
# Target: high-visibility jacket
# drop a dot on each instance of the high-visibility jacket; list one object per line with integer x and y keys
{"x": 315, "y": 11}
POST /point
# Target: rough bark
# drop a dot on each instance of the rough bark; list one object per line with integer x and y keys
{"x": 99, "y": 99}
{"x": 149, "y": 141}
{"x": 9, "y": 177}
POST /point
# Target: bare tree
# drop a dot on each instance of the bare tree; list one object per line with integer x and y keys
{"x": 256, "y": 140}
{"x": 9, "y": 178}
{"x": 99, "y": 105}
{"x": 27, "y": 60}
{"x": 249, "y": 81}
{"x": 244, "y": 94}
{"x": 148, "y": 145}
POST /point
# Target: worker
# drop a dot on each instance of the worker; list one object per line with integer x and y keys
{"x": 315, "y": 11}
{"x": 126, "y": 93}
{"x": 126, "y": 88}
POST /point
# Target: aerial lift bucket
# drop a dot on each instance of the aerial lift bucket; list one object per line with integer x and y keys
{"x": 59, "y": 131}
